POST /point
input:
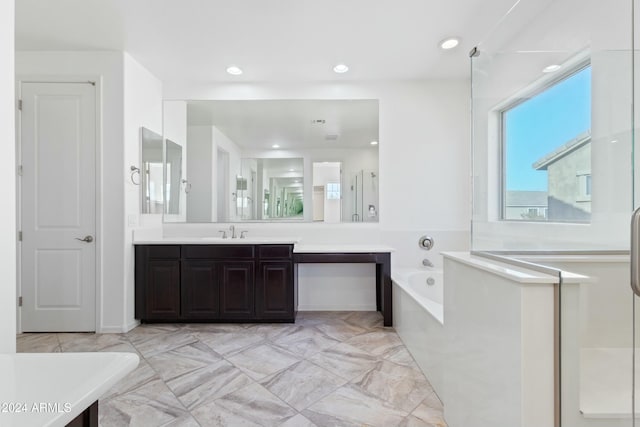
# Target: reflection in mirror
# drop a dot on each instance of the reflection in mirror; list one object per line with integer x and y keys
{"x": 173, "y": 177}
{"x": 151, "y": 176}
{"x": 252, "y": 160}
{"x": 270, "y": 189}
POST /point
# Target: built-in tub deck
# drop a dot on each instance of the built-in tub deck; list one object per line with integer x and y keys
{"x": 380, "y": 255}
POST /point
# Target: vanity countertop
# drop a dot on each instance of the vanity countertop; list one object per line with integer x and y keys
{"x": 51, "y": 389}
{"x": 340, "y": 248}
{"x": 217, "y": 241}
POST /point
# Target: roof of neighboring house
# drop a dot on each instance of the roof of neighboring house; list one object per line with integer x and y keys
{"x": 526, "y": 199}
{"x": 562, "y": 150}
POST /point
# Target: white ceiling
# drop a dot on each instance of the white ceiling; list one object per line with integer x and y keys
{"x": 289, "y": 123}
{"x": 272, "y": 40}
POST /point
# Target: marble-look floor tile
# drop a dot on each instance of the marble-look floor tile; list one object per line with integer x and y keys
{"x": 370, "y": 320}
{"x": 228, "y": 344}
{"x": 263, "y": 360}
{"x": 379, "y": 343}
{"x": 207, "y": 384}
{"x": 160, "y": 343}
{"x": 349, "y": 406}
{"x": 150, "y": 405}
{"x": 298, "y": 421}
{"x": 400, "y": 386}
{"x": 340, "y": 329}
{"x": 37, "y": 343}
{"x": 345, "y": 361}
{"x": 273, "y": 331}
{"x": 412, "y": 421}
{"x": 431, "y": 411}
{"x": 182, "y": 360}
{"x": 77, "y": 342}
{"x": 250, "y": 406}
{"x": 305, "y": 341}
{"x": 144, "y": 332}
{"x": 401, "y": 356}
{"x": 142, "y": 375}
{"x": 302, "y": 384}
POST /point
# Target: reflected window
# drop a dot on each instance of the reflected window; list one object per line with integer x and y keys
{"x": 333, "y": 190}
{"x": 546, "y": 144}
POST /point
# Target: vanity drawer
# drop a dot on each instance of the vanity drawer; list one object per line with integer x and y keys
{"x": 275, "y": 251}
{"x": 163, "y": 251}
{"x": 217, "y": 251}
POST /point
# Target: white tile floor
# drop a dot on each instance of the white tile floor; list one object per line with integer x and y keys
{"x": 327, "y": 369}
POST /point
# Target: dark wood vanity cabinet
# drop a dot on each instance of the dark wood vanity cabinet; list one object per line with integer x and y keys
{"x": 214, "y": 283}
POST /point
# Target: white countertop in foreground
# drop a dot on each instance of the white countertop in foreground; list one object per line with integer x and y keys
{"x": 51, "y": 389}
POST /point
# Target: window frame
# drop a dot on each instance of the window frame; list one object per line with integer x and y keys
{"x": 530, "y": 92}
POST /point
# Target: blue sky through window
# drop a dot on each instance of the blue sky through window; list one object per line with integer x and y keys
{"x": 541, "y": 124}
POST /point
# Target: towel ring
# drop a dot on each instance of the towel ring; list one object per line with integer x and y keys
{"x": 187, "y": 185}
{"x": 134, "y": 171}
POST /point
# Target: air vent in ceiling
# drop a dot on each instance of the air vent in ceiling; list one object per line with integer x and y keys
{"x": 331, "y": 137}
{"x": 318, "y": 121}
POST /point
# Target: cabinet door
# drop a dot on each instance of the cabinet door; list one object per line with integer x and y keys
{"x": 236, "y": 290}
{"x": 274, "y": 290}
{"x": 162, "y": 293}
{"x": 200, "y": 298}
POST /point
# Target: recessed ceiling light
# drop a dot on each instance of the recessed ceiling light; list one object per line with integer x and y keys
{"x": 551, "y": 68}
{"x": 233, "y": 70}
{"x": 449, "y": 43}
{"x": 374, "y": 142}
{"x": 275, "y": 146}
{"x": 291, "y": 170}
{"x": 340, "y": 68}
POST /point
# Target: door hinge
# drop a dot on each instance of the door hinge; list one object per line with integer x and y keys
{"x": 19, "y": 170}
{"x": 20, "y": 104}
{"x": 19, "y": 236}
{"x": 19, "y": 301}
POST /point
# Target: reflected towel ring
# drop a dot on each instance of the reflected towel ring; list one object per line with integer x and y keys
{"x": 187, "y": 185}
{"x": 134, "y": 171}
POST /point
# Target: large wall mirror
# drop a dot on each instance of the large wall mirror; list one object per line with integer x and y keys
{"x": 275, "y": 160}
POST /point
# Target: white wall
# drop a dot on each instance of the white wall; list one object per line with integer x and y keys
{"x": 8, "y": 179}
{"x": 498, "y": 350}
{"x": 130, "y": 97}
{"x": 200, "y": 157}
{"x": 142, "y": 108}
{"x": 107, "y": 69}
{"x": 424, "y": 148}
{"x": 175, "y": 129}
{"x": 423, "y": 168}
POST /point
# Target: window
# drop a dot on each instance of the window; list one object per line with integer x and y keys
{"x": 333, "y": 190}
{"x": 546, "y": 144}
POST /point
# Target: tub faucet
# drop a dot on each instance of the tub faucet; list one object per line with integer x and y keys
{"x": 427, "y": 263}
{"x": 233, "y": 231}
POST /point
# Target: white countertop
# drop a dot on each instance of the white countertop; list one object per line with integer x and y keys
{"x": 51, "y": 389}
{"x": 338, "y": 248}
{"x": 512, "y": 272}
{"x": 217, "y": 241}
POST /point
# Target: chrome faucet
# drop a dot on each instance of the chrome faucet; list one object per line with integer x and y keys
{"x": 233, "y": 231}
{"x": 427, "y": 263}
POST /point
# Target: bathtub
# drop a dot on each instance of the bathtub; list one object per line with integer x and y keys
{"x": 418, "y": 318}
{"x": 425, "y": 287}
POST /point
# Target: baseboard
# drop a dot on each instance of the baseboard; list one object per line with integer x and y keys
{"x": 134, "y": 324}
{"x": 337, "y": 307}
{"x": 118, "y": 329}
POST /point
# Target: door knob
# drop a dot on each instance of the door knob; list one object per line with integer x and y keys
{"x": 87, "y": 239}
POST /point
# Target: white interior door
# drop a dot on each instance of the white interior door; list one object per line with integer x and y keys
{"x": 58, "y": 144}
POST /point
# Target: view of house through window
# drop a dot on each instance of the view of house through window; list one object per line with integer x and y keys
{"x": 547, "y": 153}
